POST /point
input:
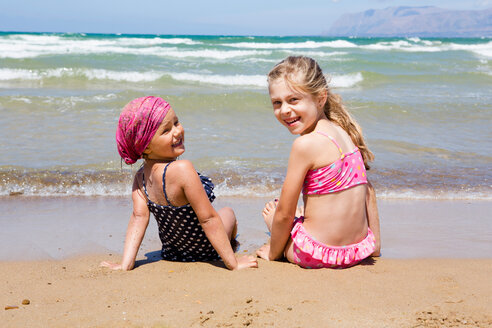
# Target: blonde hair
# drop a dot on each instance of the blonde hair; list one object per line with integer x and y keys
{"x": 304, "y": 74}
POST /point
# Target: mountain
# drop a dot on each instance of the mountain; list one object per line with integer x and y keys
{"x": 414, "y": 21}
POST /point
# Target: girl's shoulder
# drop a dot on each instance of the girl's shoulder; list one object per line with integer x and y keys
{"x": 309, "y": 143}
{"x": 305, "y": 146}
{"x": 180, "y": 170}
{"x": 181, "y": 166}
{"x": 139, "y": 175}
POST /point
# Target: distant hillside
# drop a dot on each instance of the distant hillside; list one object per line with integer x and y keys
{"x": 414, "y": 21}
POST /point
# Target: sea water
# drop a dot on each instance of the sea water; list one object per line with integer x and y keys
{"x": 424, "y": 106}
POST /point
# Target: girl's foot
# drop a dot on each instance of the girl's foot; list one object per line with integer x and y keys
{"x": 269, "y": 212}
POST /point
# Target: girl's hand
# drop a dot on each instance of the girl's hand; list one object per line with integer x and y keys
{"x": 112, "y": 266}
{"x": 246, "y": 261}
{"x": 264, "y": 252}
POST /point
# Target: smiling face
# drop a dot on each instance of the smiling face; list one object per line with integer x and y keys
{"x": 168, "y": 141}
{"x": 297, "y": 111}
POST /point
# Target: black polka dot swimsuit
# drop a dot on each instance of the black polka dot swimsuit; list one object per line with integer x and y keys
{"x": 181, "y": 234}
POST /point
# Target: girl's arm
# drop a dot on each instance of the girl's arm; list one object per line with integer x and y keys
{"x": 282, "y": 222}
{"x": 207, "y": 216}
{"x": 135, "y": 232}
{"x": 373, "y": 217}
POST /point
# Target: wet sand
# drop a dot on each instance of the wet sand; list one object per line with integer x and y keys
{"x": 435, "y": 272}
{"x": 56, "y": 228}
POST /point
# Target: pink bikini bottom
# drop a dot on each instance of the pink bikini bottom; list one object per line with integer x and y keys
{"x": 311, "y": 254}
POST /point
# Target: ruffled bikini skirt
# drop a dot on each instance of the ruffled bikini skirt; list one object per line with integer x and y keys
{"x": 311, "y": 254}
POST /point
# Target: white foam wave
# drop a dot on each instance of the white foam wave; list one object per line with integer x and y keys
{"x": 417, "y": 45}
{"x": 484, "y": 49}
{"x": 101, "y": 74}
{"x": 232, "y": 80}
{"x": 40, "y": 39}
{"x": 336, "y": 56}
{"x": 292, "y": 45}
{"x": 211, "y": 53}
{"x": 8, "y": 74}
{"x": 223, "y": 189}
{"x": 339, "y": 81}
{"x": 34, "y": 46}
{"x": 91, "y": 74}
{"x": 155, "y": 41}
{"x": 433, "y": 195}
{"x": 404, "y": 45}
{"x": 96, "y": 189}
{"x": 22, "y": 99}
{"x": 327, "y": 54}
{"x": 345, "y": 81}
{"x": 72, "y": 47}
{"x": 126, "y": 41}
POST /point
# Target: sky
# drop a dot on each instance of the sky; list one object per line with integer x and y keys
{"x": 185, "y": 17}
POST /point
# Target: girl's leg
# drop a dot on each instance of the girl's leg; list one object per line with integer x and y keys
{"x": 289, "y": 251}
{"x": 268, "y": 213}
{"x": 229, "y": 221}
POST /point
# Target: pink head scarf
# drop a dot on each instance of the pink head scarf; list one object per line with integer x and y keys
{"x": 139, "y": 120}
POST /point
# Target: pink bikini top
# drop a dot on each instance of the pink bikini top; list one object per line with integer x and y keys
{"x": 346, "y": 172}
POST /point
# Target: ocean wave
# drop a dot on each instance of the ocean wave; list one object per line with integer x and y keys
{"x": 405, "y": 45}
{"x": 484, "y": 49}
{"x": 19, "y": 46}
{"x": 155, "y": 41}
{"x": 334, "y": 55}
{"x": 417, "y": 45}
{"x": 86, "y": 47}
{"x": 292, "y": 45}
{"x": 345, "y": 81}
{"x": 8, "y": 74}
{"x": 126, "y": 41}
{"x": 225, "y": 189}
{"x": 211, "y": 53}
{"x": 434, "y": 195}
{"x": 244, "y": 180}
{"x": 65, "y": 183}
{"x": 34, "y": 46}
{"x": 233, "y": 80}
{"x": 101, "y": 74}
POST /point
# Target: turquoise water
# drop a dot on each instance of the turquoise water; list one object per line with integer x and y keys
{"x": 424, "y": 105}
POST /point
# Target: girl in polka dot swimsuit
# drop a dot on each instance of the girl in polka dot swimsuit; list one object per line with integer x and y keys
{"x": 339, "y": 224}
{"x": 180, "y": 198}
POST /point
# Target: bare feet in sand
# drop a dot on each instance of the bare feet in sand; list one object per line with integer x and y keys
{"x": 269, "y": 212}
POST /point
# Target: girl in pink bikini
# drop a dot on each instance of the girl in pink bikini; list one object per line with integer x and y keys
{"x": 339, "y": 225}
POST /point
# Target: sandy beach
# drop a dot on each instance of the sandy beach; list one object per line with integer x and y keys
{"x": 435, "y": 272}
{"x": 382, "y": 293}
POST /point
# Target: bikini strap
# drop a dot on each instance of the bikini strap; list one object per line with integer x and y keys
{"x": 332, "y": 139}
{"x": 144, "y": 187}
{"x": 164, "y": 183}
